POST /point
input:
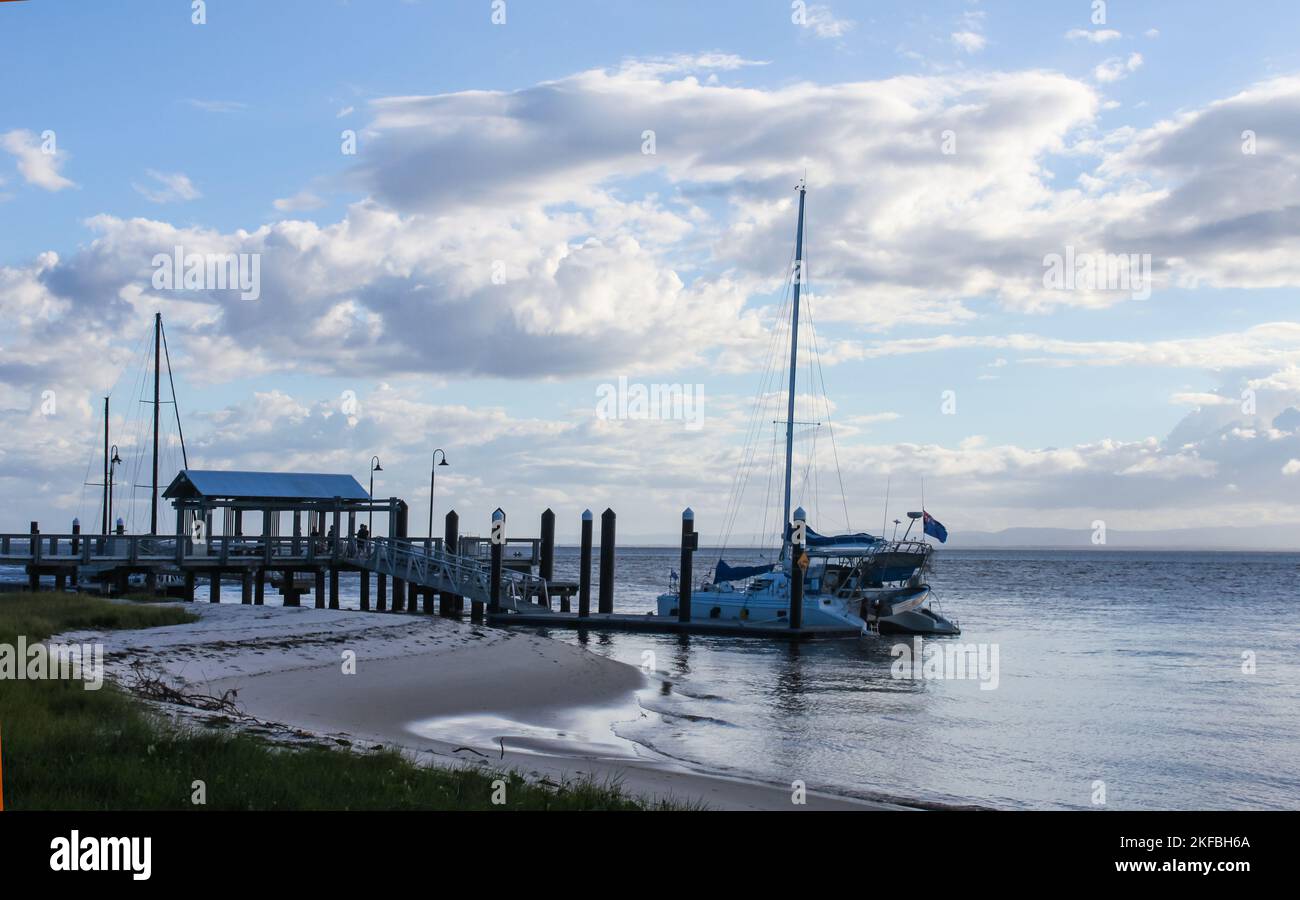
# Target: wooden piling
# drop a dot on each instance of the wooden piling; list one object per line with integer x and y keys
{"x": 381, "y": 592}
{"x": 798, "y": 562}
{"x": 365, "y": 590}
{"x": 259, "y": 587}
{"x": 214, "y": 587}
{"x": 76, "y": 548}
{"x": 320, "y": 588}
{"x": 498, "y": 538}
{"x": 584, "y": 567}
{"x": 684, "y": 580}
{"x": 334, "y": 586}
{"x": 399, "y": 586}
{"x": 290, "y": 589}
{"x": 607, "y": 561}
{"x": 546, "y": 567}
{"x": 189, "y": 586}
{"x": 412, "y": 597}
{"x": 33, "y": 572}
{"x": 246, "y": 588}
{"x": 451, "y": 604}
{"x": 428, "y": 601}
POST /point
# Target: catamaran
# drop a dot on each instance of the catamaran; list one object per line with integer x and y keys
{"x": 855, "y": 579}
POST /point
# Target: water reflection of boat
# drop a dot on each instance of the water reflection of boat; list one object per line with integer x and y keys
{"x": 854, "y": 579}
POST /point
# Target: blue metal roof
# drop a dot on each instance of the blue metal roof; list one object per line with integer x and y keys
{"x": 264, "y": 486}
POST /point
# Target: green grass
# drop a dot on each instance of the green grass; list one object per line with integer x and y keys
{"x": 68, "y": 748}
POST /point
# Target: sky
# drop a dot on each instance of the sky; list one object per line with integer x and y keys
{"x": 471, "y": 221}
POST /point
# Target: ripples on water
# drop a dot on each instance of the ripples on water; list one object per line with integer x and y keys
{"x": 1121, "y": 667}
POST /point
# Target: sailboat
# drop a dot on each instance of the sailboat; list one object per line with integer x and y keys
{"x": 856, "y": 579}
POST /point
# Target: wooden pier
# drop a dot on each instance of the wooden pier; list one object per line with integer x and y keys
{"x": 507, "y": 581}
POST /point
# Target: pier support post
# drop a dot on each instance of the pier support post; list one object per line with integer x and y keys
{"x": 320, "y": 588}
{"x": 290, "y": 589}
{"x": 428, "y": 601}
{"x": 607, "y": 561}
{"x": 451, "y": 604}
{"x": 498, "y": 538}
{"x": 381, "y": 592}
{"x": 546, "y": 567}
{"x": 33, "y": 572}
{"x": 189, "y": 587}
{"x": 412, "y": 597}
{"x": 76, "y": 548}
{"x": 584, "y": 567}
{"x": 690, "y": 541}
{"x": 334, "y": 587}
{"x": 246, "y": 588}
{"x": 798, "y": 566}
{"x": 259, "y": 587}
{"x": 214, "y": 586}
{"x": 399, "y": 586}
{"x": 365, "y": 590}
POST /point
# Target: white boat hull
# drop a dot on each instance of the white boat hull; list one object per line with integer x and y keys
{"x": 908, "y": 612}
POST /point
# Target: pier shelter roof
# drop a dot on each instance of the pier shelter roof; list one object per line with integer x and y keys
{"x": 286, "y": 489}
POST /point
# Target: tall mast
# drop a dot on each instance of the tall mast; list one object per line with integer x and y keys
{"x": 104, "y": 513}
{"x": 794, "y": 357}
{"x": 157, "y": 372}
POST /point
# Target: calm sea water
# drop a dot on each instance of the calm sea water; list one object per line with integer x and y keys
{"x": 1118, "y": 668}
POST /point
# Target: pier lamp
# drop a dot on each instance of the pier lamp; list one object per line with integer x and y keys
{"x": 112, "y": 469}
{"x": 374, "y": 467}
{"x": 433, "y": 473}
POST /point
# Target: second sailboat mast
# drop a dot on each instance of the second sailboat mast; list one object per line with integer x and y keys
{"x": 794, "y": 357}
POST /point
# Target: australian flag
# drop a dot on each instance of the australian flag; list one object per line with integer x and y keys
{"x": 934, "y": 528}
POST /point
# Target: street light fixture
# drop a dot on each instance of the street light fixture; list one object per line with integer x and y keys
{"x": 433, "y": 473}
{"x": 374, "y": 467}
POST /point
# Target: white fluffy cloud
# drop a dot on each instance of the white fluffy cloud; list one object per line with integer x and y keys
{"x": 39, "y": 160}
{"x": 536, "y": 251}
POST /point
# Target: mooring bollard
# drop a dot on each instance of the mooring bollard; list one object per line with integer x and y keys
{"x": 584, "y": 567}
{"x": 798, "y": 565}
{"x": 690, "y": 542}
{"x": 498, "y": 538}
{"x": 607, "y": 561}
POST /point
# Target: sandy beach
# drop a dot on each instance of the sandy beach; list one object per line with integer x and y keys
{"x": 444, "y": 692}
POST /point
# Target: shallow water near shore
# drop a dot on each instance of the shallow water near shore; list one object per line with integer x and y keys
{"x": 1118, "y": 671}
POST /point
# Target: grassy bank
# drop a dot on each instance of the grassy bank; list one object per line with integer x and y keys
{"x": 69, "y": 748}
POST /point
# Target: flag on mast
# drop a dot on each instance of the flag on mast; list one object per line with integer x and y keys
{"x": 934, "y": 528}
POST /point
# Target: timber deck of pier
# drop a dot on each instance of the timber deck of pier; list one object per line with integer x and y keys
{"x": 670, "y": 625}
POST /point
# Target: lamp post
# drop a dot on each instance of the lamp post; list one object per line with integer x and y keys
{"x": 374, "y": 467}
{"x": 112, "y": 469}
{"x": 433, "y": 473}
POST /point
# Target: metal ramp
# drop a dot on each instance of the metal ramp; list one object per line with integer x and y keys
{"x": 434, "y": 568}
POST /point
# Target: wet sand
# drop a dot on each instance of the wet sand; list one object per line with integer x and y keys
{"x": 444, "y": 692}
